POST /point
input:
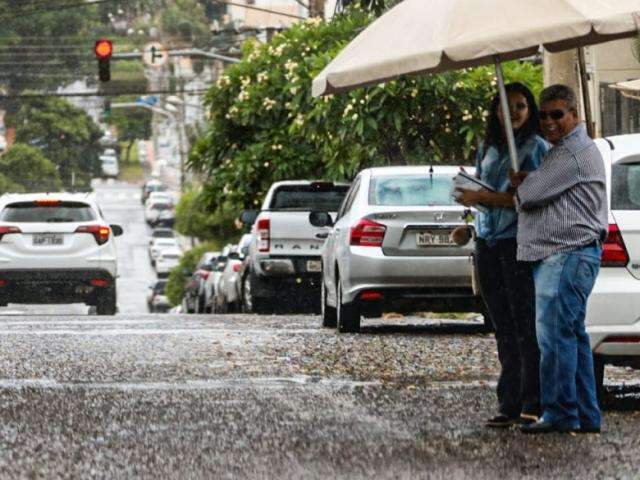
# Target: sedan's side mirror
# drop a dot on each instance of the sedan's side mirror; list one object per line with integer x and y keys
{"x": 248, "y": 217}
{"x": 320, "y": 219}
{"x": 117, "y": 230}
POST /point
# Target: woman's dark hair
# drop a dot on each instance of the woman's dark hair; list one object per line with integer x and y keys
{"x": 494, "y": 134}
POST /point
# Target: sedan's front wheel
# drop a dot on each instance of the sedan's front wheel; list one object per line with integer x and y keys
{"x": 348, "y": 314}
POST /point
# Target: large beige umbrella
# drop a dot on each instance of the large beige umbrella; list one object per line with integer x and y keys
{"x": 425, "y": 36}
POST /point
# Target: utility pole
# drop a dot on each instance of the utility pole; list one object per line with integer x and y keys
{"x": 569, "y": 69}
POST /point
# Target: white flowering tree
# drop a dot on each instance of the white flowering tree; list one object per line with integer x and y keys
{"x": 265, "y": 126}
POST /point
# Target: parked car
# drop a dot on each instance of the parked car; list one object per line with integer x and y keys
{"x": 284, "y": 254}
{"x": 57, "y": 248}
{"x": 167, "y": 259}
{"x": 193, "y": 299}
{"x": 161, "y": 233}
{"x": 159, "y": 213}
{"x": 211, "y": 283}
{"x": 390, "y": 248}
{"x": 151, "y": 186}
{"x": 226, "y": 298}
{"x": 613, "y": 311}
{"x": 157, "y": 300}
{"x": 158, "y": 244}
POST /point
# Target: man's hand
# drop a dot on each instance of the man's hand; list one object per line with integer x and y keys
{"x": 468, "y": 198}
{"x": 517, "y": 177}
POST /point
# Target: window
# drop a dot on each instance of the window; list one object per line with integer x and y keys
{"x": 30, "y": 212}
{"x": 348, "y": 201}
{"x": 618, "y": 113}
{"x": 625, "y": 184}
{"x": 318, "y": 196}
{"x": 411, "y": 190}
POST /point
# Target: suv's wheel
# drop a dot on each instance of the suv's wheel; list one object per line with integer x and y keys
{"x": 348, "y": 314}
{"x": 106, "y": 304}
{"x": 329, "y": 314}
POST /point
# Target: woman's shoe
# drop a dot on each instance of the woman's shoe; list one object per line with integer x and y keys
{"x": 527, "y": 419}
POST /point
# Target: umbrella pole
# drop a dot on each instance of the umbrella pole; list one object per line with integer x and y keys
{"x": 506, "y": 115}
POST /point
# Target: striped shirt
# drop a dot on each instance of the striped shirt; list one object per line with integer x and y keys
{"x": 563, "y": 205}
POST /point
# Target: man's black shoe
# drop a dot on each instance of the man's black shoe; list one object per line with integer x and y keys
{"x": 588, "y": 430}
{"x": 500, "y": 421}
{"x": 544, "y": 427}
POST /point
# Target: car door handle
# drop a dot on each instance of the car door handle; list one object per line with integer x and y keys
{"x": 322, "y": 235}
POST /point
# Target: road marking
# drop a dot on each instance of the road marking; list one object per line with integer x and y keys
{"x": 250, "y": 382}
{"x": 157, "y": 331}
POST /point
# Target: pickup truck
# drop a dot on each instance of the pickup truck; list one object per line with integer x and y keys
{"x": 284, "y": 267}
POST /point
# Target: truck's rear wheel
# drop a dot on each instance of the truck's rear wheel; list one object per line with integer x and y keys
{"x": 251, "y": 303}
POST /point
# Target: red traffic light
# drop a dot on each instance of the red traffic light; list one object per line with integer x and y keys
{"x": 103, "y": 49}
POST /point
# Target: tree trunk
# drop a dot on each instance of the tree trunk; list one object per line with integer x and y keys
{"x": 128, "y": 155}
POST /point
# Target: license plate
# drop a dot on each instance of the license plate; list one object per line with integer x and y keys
{"x": 433, "y": 239}
{"x": 47, "y": 239}
{"x": 314, "y": 266}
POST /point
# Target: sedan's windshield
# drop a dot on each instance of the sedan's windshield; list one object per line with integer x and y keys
{"x": 411, "y": 190}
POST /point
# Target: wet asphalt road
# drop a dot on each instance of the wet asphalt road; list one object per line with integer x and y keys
{"x": 239, "y": 396}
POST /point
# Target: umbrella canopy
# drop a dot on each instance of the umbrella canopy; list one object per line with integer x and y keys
{"x": 419, "y": 36}
{"x": 629, "y": 89}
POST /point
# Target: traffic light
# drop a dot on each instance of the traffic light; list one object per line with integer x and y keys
{"x": 103, "y": 51}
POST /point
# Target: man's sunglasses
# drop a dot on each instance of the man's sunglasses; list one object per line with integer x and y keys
{"x": 553, "y": 114}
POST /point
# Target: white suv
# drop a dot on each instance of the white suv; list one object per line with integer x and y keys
{"x": 57, "y": 248}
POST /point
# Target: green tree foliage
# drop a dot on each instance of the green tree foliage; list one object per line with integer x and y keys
{"x": 194, "y": 219}
{"x": 132, "y": 124}
{"x": 265, "y": 126}
{"x": 27, "y": 169}
{"x": 66, "y": 135}
{"x": 185, "y": 19}
{"x": 178, "y": 275}
{"x": 38, "y": 43}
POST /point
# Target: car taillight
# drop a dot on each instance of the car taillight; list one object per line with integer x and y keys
{"x": 204, "y": 274}
{"x": 263, "y": 228}
{"x": 236, "y": 267}
{"x": 99, "y": 232}
{"x": 6, "y": 230}
{"x": 367, "y": 233}
{"x": 614, "y": 253}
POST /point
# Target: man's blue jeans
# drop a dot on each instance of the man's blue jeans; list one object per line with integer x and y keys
{"x": 567, "y": 384}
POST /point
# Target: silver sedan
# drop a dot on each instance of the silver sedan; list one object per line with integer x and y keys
{"x": 390, "y": 248}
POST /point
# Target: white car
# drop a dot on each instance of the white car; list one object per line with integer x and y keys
{"x": 159, "y": 213}
{"x": 158, "y": 244}
{"x": 613, "y": 311}
{"x": 157, "y": 300}
{"x": 165, "y": 197}
{"x": 390, "y": 248}
{"x": 57, "y": 248}
{"x": 110, "y": 166}
{"x": 167, "y": 259}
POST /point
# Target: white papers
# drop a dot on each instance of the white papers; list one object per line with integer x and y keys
{"x": 468, "y": 182}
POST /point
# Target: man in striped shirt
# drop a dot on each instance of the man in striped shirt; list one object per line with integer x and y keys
{"x": 561, "y": 224}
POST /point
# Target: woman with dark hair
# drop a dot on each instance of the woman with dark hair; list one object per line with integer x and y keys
{"x": 506, "y": 285}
